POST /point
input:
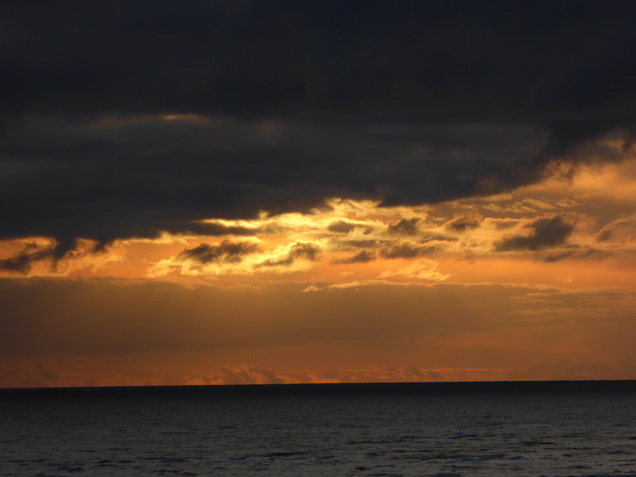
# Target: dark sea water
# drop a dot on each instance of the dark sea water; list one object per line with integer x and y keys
{"x": 566, "y": 429}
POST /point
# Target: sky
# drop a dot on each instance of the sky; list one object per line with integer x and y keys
{"x": 247, "y": 192}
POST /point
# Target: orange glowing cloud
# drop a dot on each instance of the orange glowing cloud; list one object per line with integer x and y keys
{"x": 534, "y": 284}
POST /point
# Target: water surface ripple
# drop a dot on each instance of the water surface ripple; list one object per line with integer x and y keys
{"x": 365, "y": 435}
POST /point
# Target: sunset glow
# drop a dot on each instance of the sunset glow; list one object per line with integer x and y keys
{"x": 200, "y": 233}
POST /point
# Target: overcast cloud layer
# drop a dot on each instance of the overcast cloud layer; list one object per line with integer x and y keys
{"x": 122, "y": 119}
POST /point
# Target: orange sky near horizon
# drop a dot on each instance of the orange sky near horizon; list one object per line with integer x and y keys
{"x": 536, "y": 283}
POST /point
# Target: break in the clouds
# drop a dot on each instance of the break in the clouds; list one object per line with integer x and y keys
{"x": 128, "y": 120}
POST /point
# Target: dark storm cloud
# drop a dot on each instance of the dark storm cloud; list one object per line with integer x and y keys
{"x": 421, "y": 102}
{"x": 544, "y": 233}
{"x": 225, "y": 252}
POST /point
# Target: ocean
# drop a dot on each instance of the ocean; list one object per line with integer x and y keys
{"x": 376, "y": 430}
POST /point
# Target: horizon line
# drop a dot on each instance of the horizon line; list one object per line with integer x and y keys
{"x": 576, "y": 385}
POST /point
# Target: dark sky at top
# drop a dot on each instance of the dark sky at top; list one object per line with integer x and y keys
{"x": 404, "y": 102}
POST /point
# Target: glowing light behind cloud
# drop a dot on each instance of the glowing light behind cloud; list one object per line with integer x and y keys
{"x": 320, "y": 207}
{"x": 555, "y": 318}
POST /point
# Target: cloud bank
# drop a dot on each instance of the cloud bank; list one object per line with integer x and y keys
{"x": 129, "y": 121}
